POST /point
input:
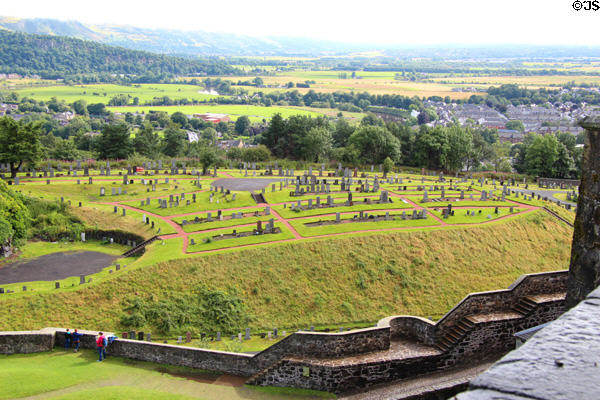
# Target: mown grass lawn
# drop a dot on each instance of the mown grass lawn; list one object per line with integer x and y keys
{"x": 66, "y": 375}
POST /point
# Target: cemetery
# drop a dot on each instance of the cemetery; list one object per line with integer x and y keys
{"x": 229, "y": 229}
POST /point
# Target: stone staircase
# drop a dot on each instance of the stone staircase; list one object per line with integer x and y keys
{"x": 455, "y": 334}
{"x": 477, "y": 328}
{"x": 524, "y": 306}
{"x": 139, "y": 247}
{"x": 258, "y": 198}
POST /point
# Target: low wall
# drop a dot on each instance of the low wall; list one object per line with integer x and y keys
{"x": 325, "y": 345}
{"x": 230, "y": 363}
{"x": 556, "y": 182}
{"x": 25, "y": 342}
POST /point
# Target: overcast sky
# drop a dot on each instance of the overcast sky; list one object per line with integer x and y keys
{"x": 370, "y": 21}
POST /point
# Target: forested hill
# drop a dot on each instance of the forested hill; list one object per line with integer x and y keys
{"x": 62, "y": 57}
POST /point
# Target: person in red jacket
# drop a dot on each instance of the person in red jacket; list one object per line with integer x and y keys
{"x": 101, "y": 346}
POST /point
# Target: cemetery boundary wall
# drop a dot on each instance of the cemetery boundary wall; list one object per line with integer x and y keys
{"x": 286, "y": 362}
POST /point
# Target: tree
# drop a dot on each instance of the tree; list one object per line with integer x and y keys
{"x": 541, "y": 155}
{"x": 174, "y": 141}
{"x": 180, "y": 118}
{"x": 147, "y": 142}
{"x": 481, "y": 150}
{"x": 256, "y": 154}
{"x": 222, "y": 127}
{"x": 208, "y": 158}
{"x": 98, "y": 109}
{"x": 209, "y": 135}
{"x": 343, "y": 130}
{"x": 19, "y": 143}
{"x": 64, "y": 149}
{"x": 388, "y": 165}
{"x": 499, "y": 156}
{"x": 515, "y": 125}
{"x": 374, "y": 144}
{"x": 431, "y": 147}
{"x": 564, "y": 165}
{"x": 235, "y": 153}
{"x": 316, "y": 144}
{"x": 460, "y": 143}
{"x": 241, "y": 125}
{"x": 80, "y": 107}
{"x": 114, "y": 142}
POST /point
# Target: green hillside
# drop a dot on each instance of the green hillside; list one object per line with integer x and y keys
{"x": 332, "y": 282}
{"x": 59, "y": 57}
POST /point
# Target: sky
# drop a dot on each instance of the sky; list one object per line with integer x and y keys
{"x": 413, "y": 22}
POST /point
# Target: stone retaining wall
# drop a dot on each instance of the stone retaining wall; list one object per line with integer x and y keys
{"x": 26, "y": 342}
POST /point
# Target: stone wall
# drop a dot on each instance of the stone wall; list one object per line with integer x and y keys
{"x": 325, "y": 345}
{"x": 490, "y": 336}
{"x": 25, "y": 342}
{"x": 560, "y": 183}
{"x": 426, "y": 332}
{"x": 230, "y": 363}
{"x": 486, "y": 339}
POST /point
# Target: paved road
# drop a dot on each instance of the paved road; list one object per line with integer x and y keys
{"x": 55, "y": 266}
{"x": 546, "y": 193}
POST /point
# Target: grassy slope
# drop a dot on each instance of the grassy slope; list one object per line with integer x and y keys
{"x": 323, "y": 282}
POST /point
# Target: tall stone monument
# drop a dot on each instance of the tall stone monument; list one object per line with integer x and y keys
{"x": 584, "y": 271}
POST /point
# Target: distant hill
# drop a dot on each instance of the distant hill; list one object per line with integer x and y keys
{"x": 202, "y": 43}
{"x": 178, "y": 42}
{"x": 61, "y": 57}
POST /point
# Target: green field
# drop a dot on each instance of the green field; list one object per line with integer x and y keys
{"x": 255, "y": 113}
{"x": 102, "y": 93}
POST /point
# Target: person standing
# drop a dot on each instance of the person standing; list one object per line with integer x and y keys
{"x": 76, "y": 336}
{"x": 101, "y": 346}
{"x": 67, "y": 339}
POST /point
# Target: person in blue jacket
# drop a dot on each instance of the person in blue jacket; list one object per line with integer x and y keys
{"x": 67, "y": 339}
{"x": 76, "y": 337}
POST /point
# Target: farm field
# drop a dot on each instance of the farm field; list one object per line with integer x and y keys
{"x": 102, "y": 93}
{"x": 255, "y": 113}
